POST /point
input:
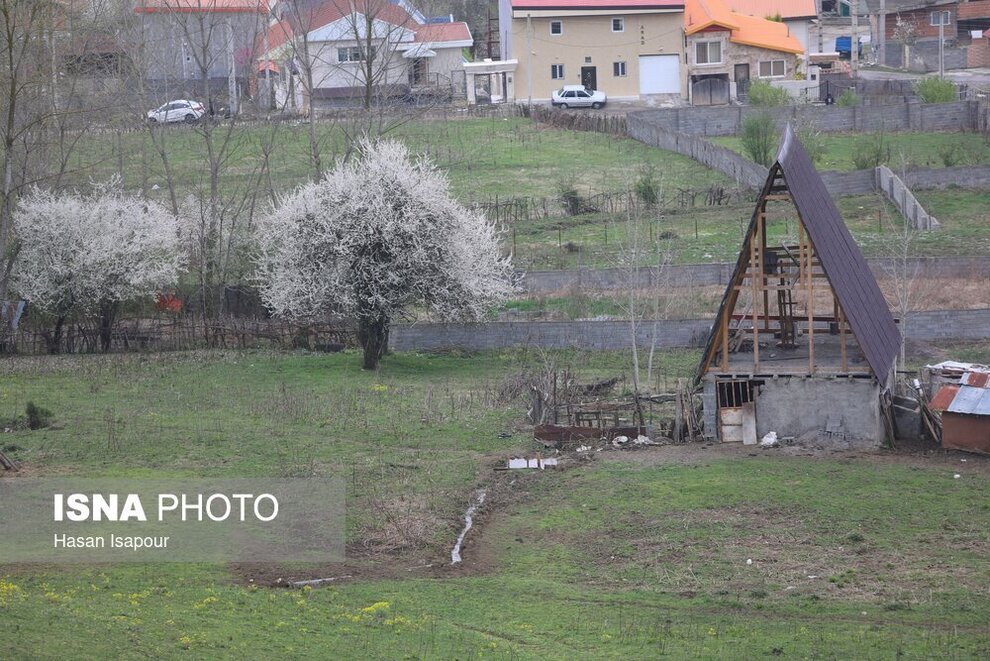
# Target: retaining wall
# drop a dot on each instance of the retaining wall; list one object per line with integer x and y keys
{"x": 547, "y": 282}
{"x": 615, "y": 335}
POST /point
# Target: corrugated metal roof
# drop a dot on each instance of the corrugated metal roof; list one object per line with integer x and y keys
{"x": 852, "y": 281}
{"x": 976, "y": 379}
{"x": 971, "y": 401}
{"x": 943, "y": 398}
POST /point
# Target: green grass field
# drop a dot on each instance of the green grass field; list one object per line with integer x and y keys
{"x": 905, "y": 149}
{"x": 484, "y": 158}
{"x": 628, "y": 555}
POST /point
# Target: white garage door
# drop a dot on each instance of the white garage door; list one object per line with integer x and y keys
{"x": 659, "y": 74}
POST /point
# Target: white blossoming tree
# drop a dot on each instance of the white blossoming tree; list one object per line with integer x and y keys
{"x": 375, "y": 236}
{"x": 88, "y": 254}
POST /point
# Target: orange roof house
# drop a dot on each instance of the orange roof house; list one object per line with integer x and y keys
{"x": 726, "y": 49}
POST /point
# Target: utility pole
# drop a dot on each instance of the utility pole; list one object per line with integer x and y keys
{"x": 231, "y": 74}
{"x": 941, "y": 44}
{"x": 882, "y": 34}
{"x": 854, "y": 46}
{"x": 529, "y": 59}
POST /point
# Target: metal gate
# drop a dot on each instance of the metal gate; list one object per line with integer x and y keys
{"x": 710, "y": 92}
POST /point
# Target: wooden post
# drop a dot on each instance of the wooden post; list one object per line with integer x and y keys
{"x": 755, "y": 275}
{"x": 842, "y": 336}
{"x": 725, "y": 339}
{"x": 809, "y": 251}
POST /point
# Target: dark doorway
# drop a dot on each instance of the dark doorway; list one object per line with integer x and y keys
{"x": 589, "y": 77}
{"x": 742, "y": 81}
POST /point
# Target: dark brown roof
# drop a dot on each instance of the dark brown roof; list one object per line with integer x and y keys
{"x": 852, "y": 281}
{"x": 848, "y": 273}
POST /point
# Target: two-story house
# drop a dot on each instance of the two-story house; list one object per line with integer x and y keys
{"x": 726, "y": 50}
{"x": 630, "y": 49}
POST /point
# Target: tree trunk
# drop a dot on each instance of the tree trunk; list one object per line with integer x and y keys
{"x": 108, "y": 314}
{"x": 373, "y": 336}
{"x": 55, "y": 339}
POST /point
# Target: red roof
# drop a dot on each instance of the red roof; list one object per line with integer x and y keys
{"x": 204, "y": 6}
{"x": 277, "y": 34}
{"x": 745, "y": 30}
{"x": 943, "y": 398}
{"x": 598, "y": 4}
{"x": 441, "y": 32}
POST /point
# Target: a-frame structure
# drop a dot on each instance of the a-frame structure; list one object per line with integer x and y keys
{"x": 802, "y": 310}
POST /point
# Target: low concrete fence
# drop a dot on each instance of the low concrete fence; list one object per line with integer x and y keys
{"x": 616, "y": 335}
{"x": 901, "y": 197}
{"x": 644, "y": 128}
{"x": 701, "y": 275}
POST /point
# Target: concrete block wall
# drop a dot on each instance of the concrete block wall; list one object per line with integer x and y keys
{"x": 904, "y": 200}
{"x": 743, "y": 171}
{"x": 616, "y": 335}
{"x": 702, "y": 275}
{"x": 727, "y": 120}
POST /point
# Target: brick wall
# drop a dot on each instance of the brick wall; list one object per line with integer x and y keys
{"x": 615, "y": 335}
{"x": 978, "y": 53}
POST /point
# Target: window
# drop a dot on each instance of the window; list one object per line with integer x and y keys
{"x": 708, "y": 52}
{"x": 772, "y": 69}
{"x": 351, "y": 54}
{"x": 557, "y": 71}
{"x": 556, "y": 27}
{"x": 618, "y": 25}
{"x": 941, "y": 18}
{"x": 618, "y": 69}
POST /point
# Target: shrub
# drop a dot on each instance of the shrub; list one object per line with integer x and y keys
{"x": 952, "y": 154}
{"x": 648, "y": 188}
{"x": 813, "y": 141}
{"x": 936, "y": 90}
{"x": 568, "y": 195}
{"x": 759, "y": 137}
{"x": 38, "y": 417}
{"x": 848, "y": 98}
{"x": 765, "y": 95}
{"x": 871, "y": 151}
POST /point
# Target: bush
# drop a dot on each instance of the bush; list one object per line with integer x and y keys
{"x": 848, "y": 98}
{"x": 648, "y": 188}
{"x": 936, "y": 90}
{"x": 38, "y": 417}
{"x": 952, "y": 154}
{"x": 813, "y": 141}
{"x": 568, "y": 195}
{"x": 765, "y": 95}
{"x": 759, "y": 137}
{"x": 871, "y": 151}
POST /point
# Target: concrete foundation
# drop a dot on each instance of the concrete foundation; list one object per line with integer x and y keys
{"x": 841, "y": 410}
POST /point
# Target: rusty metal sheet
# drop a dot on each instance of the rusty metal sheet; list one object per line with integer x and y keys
{"x": 943, "y": 398}
{"x": 976, "y": 379}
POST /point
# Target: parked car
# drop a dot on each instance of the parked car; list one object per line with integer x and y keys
{"x": 179, "y": 110}
{"x": 577, "y": 96}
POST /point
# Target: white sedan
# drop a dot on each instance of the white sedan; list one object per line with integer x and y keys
{"x": 577, "y": 96}
{"x": 180, "y": 110}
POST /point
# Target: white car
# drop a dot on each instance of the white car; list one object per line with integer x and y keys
{"x": 577, "y": 96}
{"x": 179, "y": 110}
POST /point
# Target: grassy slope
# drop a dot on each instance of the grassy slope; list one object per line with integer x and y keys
{"x": 618, "y": 558}
{"x": 910, "y": 149}
{"x": 483, "y": 157}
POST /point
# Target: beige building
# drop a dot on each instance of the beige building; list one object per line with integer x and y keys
{"x": 629, "y": 49}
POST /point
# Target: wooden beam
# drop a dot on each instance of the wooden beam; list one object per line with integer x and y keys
{"x": 725, "y": 341}
{"x": 842, "y": 335}
{"x": 809, "y": 249}
{"x": 755, "y": 278}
